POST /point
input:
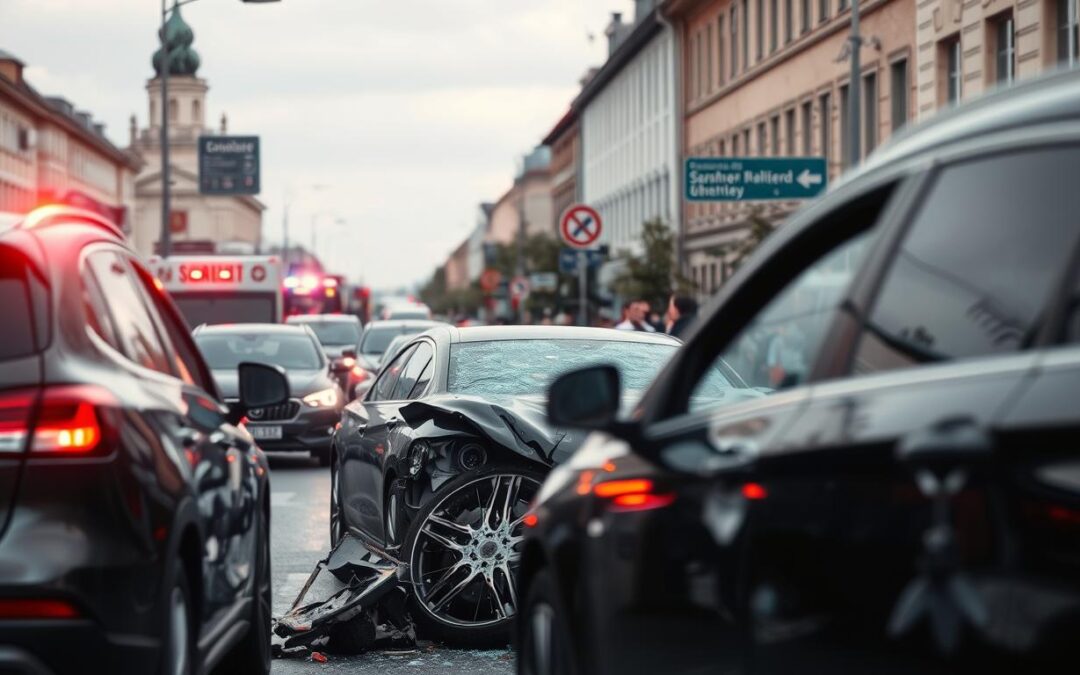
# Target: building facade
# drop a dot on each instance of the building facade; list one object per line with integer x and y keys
{"x": 52, "y": 153}
{"x": 564, "y": 140}
{"x": 766, "y": 78}
{"x": 967, "y": 48}
{"x": 629, "y": 154}
{"x": 194, "y": 218}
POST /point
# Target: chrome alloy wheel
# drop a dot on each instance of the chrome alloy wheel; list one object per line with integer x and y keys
{"x": 467, "y": 550}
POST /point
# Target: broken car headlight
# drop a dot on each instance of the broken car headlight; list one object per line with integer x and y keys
{"x": 419, "y": 453}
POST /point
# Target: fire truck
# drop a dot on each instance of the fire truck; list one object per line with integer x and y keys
{"x": 214, "y": 289}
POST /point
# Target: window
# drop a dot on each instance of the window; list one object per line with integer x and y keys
{"x": 804, "y": 15}
{"x": 720, "y": 49}
{"x": 18, "y": 307}
{"x": 759, "y": 29}
{"x": 845, "y": 131}
{"x": 383, "y": 388}
{"x": 196, "y": 112}
{"x": 842, "y": 6}
{"x": 97, "y": 312}
{"x": 789, "y": 20}
{"x": 410, "y": 374}
{"x": 735, "y": 145}
{"x": 1004, "y": 37}
{"x": 695, "y": 74}
{"x": 774, "y": 23}
{"x": 950, "y": 51}
{"x": 761, "y": 139}
{"x": 174, "y": 109}
{"x": 708, "y": 59}
{"x": 187, "y": 362}
{"x": 983, "y": 263}
{"x": 823, "y": 10}
{"x": 789, "y": 132}
{"x": 774, "y": 135}
{"x": 870, "y": 121}
{"x": 898, "y": 76}
{"x": 746, "y": 140}
{"x": 807, "y": 127}
{"x": 746, "y": 34}
{"x": 778, "y": 347}
{"x": 825, "y": 109}
{"x": 1068, "y": 33}
{"x": 734, "y": 28}
{"x": 131, "y": 320}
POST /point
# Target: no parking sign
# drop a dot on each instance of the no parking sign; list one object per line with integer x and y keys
{"x": 580, "y": 226}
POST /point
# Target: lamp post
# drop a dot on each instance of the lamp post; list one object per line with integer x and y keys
{"x": 166, "y": 177}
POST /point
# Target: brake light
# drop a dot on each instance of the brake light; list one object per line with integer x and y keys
{"x": 70, "y": 420}
{"x": 634, "y": 494}
{"x": 15, "y": 408}
{"x": 348, "y": 362}
{"x": 614, "y": 488}
{"x": 27, "y": 608}
{"x": 359, "y": 372}
{"x": 640, "y": 501}
{"x": 754, "y": 491}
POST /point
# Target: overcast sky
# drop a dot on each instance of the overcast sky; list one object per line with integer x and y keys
{"x": 410, "y": 112}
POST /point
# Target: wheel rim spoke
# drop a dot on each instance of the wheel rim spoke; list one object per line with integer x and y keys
{"x": 490, "y": 510}
{"x": 509, "y": 578}
{"x": 453, "y": 592}
{"x": 450, "y": 525}
{"x": 489, "y": 582}
{"x": 512, "y": 488}
{"x": 445, "y": 541}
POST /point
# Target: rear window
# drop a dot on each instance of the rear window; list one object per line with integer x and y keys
{"x": 226, "y": 351}
{"x": 22, "y": 306}
{"x": 377, "y": 339}
{"x": 335, "y": 333}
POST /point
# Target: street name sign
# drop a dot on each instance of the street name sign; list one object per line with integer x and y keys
{"x": 229, "y": 165}
{"x": 568, "y": 259}
{"x": 741, "y": 179}
{"x": 580, "y": 226}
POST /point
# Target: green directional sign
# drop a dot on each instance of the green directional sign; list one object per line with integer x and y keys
{"x": 741, "y": 179}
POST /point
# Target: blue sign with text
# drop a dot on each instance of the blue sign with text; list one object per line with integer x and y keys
{"x": 740, "y": 179}
{"x": 568, "y": 259}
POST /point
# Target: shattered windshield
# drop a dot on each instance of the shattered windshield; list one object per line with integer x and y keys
{"x": 527, "y": 367}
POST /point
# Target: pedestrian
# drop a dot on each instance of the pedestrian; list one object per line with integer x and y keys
{"x": 634, "y": 315}
{"x": 682, "y": 310}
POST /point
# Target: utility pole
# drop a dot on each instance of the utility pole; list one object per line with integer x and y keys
{"x": 166, "y": 178}
{"x": 854, "y": 118}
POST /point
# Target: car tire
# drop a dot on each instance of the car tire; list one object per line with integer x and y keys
{"x": 544, "y": 638}
{"x": 251, "y": 656}
{"x": 323, "y": 455}
{"x": 497, "y": 578}
{"x": 178, "y": 652}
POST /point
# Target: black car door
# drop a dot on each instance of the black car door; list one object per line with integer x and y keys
{"x": 365, "y": 449}
{"x": 894, "y": 553}
{"x": 716, "y": 429}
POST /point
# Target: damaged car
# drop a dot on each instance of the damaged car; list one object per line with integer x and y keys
{"x": 437, "y": 464}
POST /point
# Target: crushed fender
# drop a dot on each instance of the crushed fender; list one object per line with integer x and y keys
{"x": 353, "y": 601}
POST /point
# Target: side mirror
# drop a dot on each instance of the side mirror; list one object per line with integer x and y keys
{"x": 586, "y": 399}
{"x": 262, "y": 385}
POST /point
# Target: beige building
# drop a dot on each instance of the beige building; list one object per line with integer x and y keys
{"x": 457, "y": 268}
{"x": 530, "y": 197}
{"x": 564, "y": 139}
{"x": 966, "y": 48}
{"x": 52, "y": 153}
{"x": 213, "y": 220}
{"x": 768, "y": 78}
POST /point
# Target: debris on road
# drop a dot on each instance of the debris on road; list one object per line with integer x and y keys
{"x": 358, "y": 606}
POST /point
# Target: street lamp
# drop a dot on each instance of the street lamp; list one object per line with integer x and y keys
{"x": 166, "y": 177}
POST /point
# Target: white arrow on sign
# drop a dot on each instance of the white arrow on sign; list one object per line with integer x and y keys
{"x": 806, "y": 179}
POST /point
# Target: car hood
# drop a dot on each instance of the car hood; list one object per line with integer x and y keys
{"x": 301, "y": 382}
{"x": 518, "y": 423}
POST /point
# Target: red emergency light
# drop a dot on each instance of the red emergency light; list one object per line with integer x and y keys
{"x": 211, "y": 272}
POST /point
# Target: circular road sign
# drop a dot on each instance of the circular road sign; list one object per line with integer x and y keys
{"x": 490, "y": 280}
{"x": 519, "y": 287}
{"x": 580, "y": 226}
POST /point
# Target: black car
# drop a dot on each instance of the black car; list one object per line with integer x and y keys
{"x": 378, "y": 335}
{"x": 134, "y": 510}
{"x": 306, "y": 421}
{"x": 438, "y": 462}
{"x": 339, "y": 335}
{"x": 905, "y": 496}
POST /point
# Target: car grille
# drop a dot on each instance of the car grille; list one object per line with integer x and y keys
{"x": 284, "y": 411}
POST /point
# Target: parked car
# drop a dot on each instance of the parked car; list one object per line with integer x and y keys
{"x": 339, "y": 335}
{"x": 905, "y": 497}
{"x": 305, "y": 421}
{"x": 134, "y": 508}
{"x": 412, "y": 311}
{"x": 438, "y": 463}
{"x": 378, "y": 335}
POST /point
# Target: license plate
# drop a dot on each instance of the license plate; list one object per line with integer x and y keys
{"x": 266, "y": 433}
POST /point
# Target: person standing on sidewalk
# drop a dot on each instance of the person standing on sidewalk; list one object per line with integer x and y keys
{"x": 682, "y": 310}
{"x": 634, "y": 314}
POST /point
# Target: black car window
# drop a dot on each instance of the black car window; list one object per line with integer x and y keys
{"x": 986, "y": 251}
{"x": 17, "y": 306}
{"x": 777, "y": 348}
{"x": 423, "y": 380}
{"x": 417, "y": 362}
{"x": 131, "y": 319}
{"x": 226, "y": 350}
{"x": 383, "y": 389}
{"x": 97, "y": 311}
{"x": 335, "y": 333}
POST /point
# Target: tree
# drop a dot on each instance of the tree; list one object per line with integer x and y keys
{"x": 737, "y": 251}
{"x": 654, "y": 275}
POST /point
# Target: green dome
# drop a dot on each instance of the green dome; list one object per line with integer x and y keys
{"x": 183, "y": 60}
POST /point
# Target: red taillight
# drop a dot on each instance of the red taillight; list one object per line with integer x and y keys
{"x": 754, "y": 491}
{"x": 635, "y": 494}
{"x": 69, "y": 420}
{"x": 360, "y": 373}
{"x": 25, "y": 608}
{"x": 530, "y": 520}
{"x": 640, "y": 501}
{"x": 15, "y": 409}
{"x": 613, "y": 488}
{"x": 348, "y": 361}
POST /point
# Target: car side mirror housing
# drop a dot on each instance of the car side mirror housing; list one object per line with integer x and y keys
{"x": 586, "y": 399}
{"x": 262, "y": 385}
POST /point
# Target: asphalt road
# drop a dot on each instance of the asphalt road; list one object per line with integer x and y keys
{"x": 300, "y": 504}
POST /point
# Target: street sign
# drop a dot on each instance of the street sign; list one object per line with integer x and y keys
{"x": 519, "y": 287}
{"x": 229, "y": 165}
{"x": 490, "y": 280}
{"x": 544, "y": 281}
{"x": 740, "y": 179}
{"x": 568, "y": 259}
{"x": 580, "y": 226}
